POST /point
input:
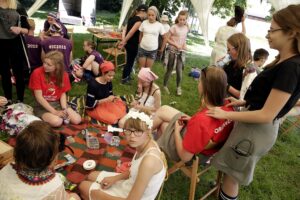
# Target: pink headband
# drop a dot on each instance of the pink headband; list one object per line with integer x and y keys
{"x": 146, "y": 74}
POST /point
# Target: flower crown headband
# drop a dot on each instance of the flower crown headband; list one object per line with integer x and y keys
{"x": 140, "y": 115}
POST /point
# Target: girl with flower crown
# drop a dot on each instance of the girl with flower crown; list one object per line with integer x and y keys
{"x": 147, "y": 171}
{"x": 32, "y": 176}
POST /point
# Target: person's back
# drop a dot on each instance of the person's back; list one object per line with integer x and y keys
{"x": 61, "y": 44}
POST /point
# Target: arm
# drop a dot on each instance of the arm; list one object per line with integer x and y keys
{"x": 124, "y": 32}
{"x": 182, "y": 153}
{"x": 135, "y": 27}
{"x": 141, "y": 36}
{"x": 63, "y": 101}
{"x": 275, "y": 102}
{"x": 164, "y": 36}
{"x": 243, "y": 25}
{"x": 71, "y": 57}
{"x": 234, "y": 92}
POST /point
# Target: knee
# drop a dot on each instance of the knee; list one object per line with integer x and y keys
{"x": 84, "y": 188}
{"x": 55, "y": 121}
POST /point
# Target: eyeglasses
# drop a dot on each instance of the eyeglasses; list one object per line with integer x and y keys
{"x": 135, "y": 132}
{"x": 274, "y": 30}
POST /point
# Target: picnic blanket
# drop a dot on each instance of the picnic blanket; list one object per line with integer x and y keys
{"x": 106, "y": 156}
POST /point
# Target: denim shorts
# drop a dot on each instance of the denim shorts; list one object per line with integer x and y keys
{"x": 148, "y": 54}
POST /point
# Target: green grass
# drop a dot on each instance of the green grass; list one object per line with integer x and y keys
{"x": 277, "y": 174}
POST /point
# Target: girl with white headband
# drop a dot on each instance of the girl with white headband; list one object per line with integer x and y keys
{"x": 147, "y": 171}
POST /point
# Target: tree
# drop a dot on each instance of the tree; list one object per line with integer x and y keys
{"x": 224, "y": 8}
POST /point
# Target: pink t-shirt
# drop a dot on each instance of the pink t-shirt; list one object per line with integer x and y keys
{"x": 178, "y": 34}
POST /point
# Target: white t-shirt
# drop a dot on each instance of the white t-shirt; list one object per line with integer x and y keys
{"x": 150, "y": 34}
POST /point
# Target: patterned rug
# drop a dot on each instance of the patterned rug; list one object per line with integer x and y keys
{"x": 106, "y": 156}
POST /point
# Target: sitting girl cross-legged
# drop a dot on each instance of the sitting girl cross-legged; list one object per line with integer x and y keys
{"x": 147, "y": 171}
{"x": 183, "y": 136}
{"x": 49, "y": 84}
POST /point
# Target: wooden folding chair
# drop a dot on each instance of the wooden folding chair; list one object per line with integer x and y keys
{"x": 115, "y": 52}
{"x": 289, "y": 124}
{"x": 194, "y": 172}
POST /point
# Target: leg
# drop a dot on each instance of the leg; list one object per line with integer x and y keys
{"x": 84, "y": 189}
{"x": 130, "y": 57}
{"x": 163, "y": 114}
{"x": 230, "y": 188}
{"x": 95, "y": 68}
{"x": 53, "y": 120}
{"x": 74, "y": 116}
{"x": 169, "y": 68}
{"x": 142, "y": 61}
{"x": 5, "y": 69}
{"x": 149, "y": 62}
{"x": 179, "y": 67}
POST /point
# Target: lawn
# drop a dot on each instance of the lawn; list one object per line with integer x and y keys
{"x": 277, "y": 174}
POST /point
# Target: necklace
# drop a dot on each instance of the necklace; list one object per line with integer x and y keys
{"x": 144, "y": 148}
{"x": 34, "y": 177}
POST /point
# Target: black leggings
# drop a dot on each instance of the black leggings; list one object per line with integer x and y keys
{"x": 12, "y": 57}
{"x": 131, "y": 53}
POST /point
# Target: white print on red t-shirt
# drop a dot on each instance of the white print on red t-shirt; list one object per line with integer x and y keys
{"x": 50, "y": 94}
{"x": 220, "y": 128}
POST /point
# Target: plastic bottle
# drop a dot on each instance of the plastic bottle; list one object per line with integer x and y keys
{"x": 224, "y": 61}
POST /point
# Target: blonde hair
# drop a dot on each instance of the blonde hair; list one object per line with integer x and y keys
{"x": 31, "y": 24}
{"x": 137, "y": 124}
{"x": 57, "y": 59}
{"x": 242, "y": 45}
{"x": 155, "y": 10}
{"x": 11, "y": 4}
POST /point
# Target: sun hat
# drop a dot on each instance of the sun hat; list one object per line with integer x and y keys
{"x": 164, "y": 18}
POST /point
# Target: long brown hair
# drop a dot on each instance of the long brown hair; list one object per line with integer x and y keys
{"x": 183, "y": 13}
{"x": 36, "y": 146}
{"x": 288, "y": 19}
{"x": 90, "y": 44}
{"x": 57, "y": 59}
{"x": 242, "y": 45}
{"x": 214, "y": 83}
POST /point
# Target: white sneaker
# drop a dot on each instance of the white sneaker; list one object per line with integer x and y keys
{"x": 179, "y": 92}
{"x": 166, "y": 89}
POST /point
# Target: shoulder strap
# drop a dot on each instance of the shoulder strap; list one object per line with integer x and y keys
{"x": 155, "y": 91}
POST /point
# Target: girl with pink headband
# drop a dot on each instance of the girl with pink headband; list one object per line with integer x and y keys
{"x": 150, "y": 96}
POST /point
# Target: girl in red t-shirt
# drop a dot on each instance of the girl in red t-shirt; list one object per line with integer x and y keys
{"x": 202, "y": 134}
{"x": 49, "y": 84}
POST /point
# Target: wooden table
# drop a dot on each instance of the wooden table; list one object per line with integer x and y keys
{"x": 104, "y": 36}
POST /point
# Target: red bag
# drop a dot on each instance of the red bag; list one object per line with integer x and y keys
{"x": 109, "y": 112}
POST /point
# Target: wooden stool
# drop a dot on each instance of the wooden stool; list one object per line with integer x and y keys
{"x": 115, "y": 52}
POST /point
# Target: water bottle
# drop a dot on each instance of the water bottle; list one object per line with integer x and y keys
{"x": 115, "y": 141}
{"x": 224, "y": 61}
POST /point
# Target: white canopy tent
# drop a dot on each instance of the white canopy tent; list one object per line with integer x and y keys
{"x": 37, "y": 4}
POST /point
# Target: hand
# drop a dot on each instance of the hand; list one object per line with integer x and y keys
{"x": 60, "y": 113}
{"x": 235, "y": 102}
{"x": 183, "y": 120}
{"x": 16, "y": 30}
{"x": 107, "y": 182}
{"x": 216, "y": 112}
{"x": 177, "y": 127}
{"x": 111, "y": 98}
{"x": 121, "y": 44}
{"x": 3, "y": 101}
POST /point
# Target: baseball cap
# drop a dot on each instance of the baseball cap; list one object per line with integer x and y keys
{"x": 142, "y": 7}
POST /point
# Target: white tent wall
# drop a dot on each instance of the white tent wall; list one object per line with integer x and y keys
{"x": 125, "y": 8}
{"x": 279, "y": 4}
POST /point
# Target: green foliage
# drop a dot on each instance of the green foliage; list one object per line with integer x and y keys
{"x": 224, "y": 8}
{"x": 111, "y": 5}
{"x": 50, "y": 4}
{"x": 168, "y": 7}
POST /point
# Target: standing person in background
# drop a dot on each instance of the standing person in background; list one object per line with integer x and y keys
{"x": 13, "y": 24}
{"x": 57, "y": 42}
{"x": 271, "y": 95}
{"x": 131, "y": 40}
{"x": 224, "y": 32}
{"x": 49, "y": 85}
{"x": 150, "y": 29}
{"x": 165, "y": 22}
{"x": 52, "y": 18}
{"x": 177, "y": 44}
{"x": 260, "y": 56}
{"x": 33, "y": 46}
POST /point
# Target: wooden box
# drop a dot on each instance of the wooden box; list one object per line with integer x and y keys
{"x": 6, "y": 152}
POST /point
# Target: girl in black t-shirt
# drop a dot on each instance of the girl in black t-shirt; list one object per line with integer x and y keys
{"x": 271, "y": 95}
{"x": 131, "y": 40}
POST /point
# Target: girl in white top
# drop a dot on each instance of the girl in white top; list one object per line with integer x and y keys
{"x": 32, "y": 176}
{"x": 150, "y": 29}
{"x": 147, "y": 171}
{"x": 224, "y": 32}
{"x": 150, "y": 97}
